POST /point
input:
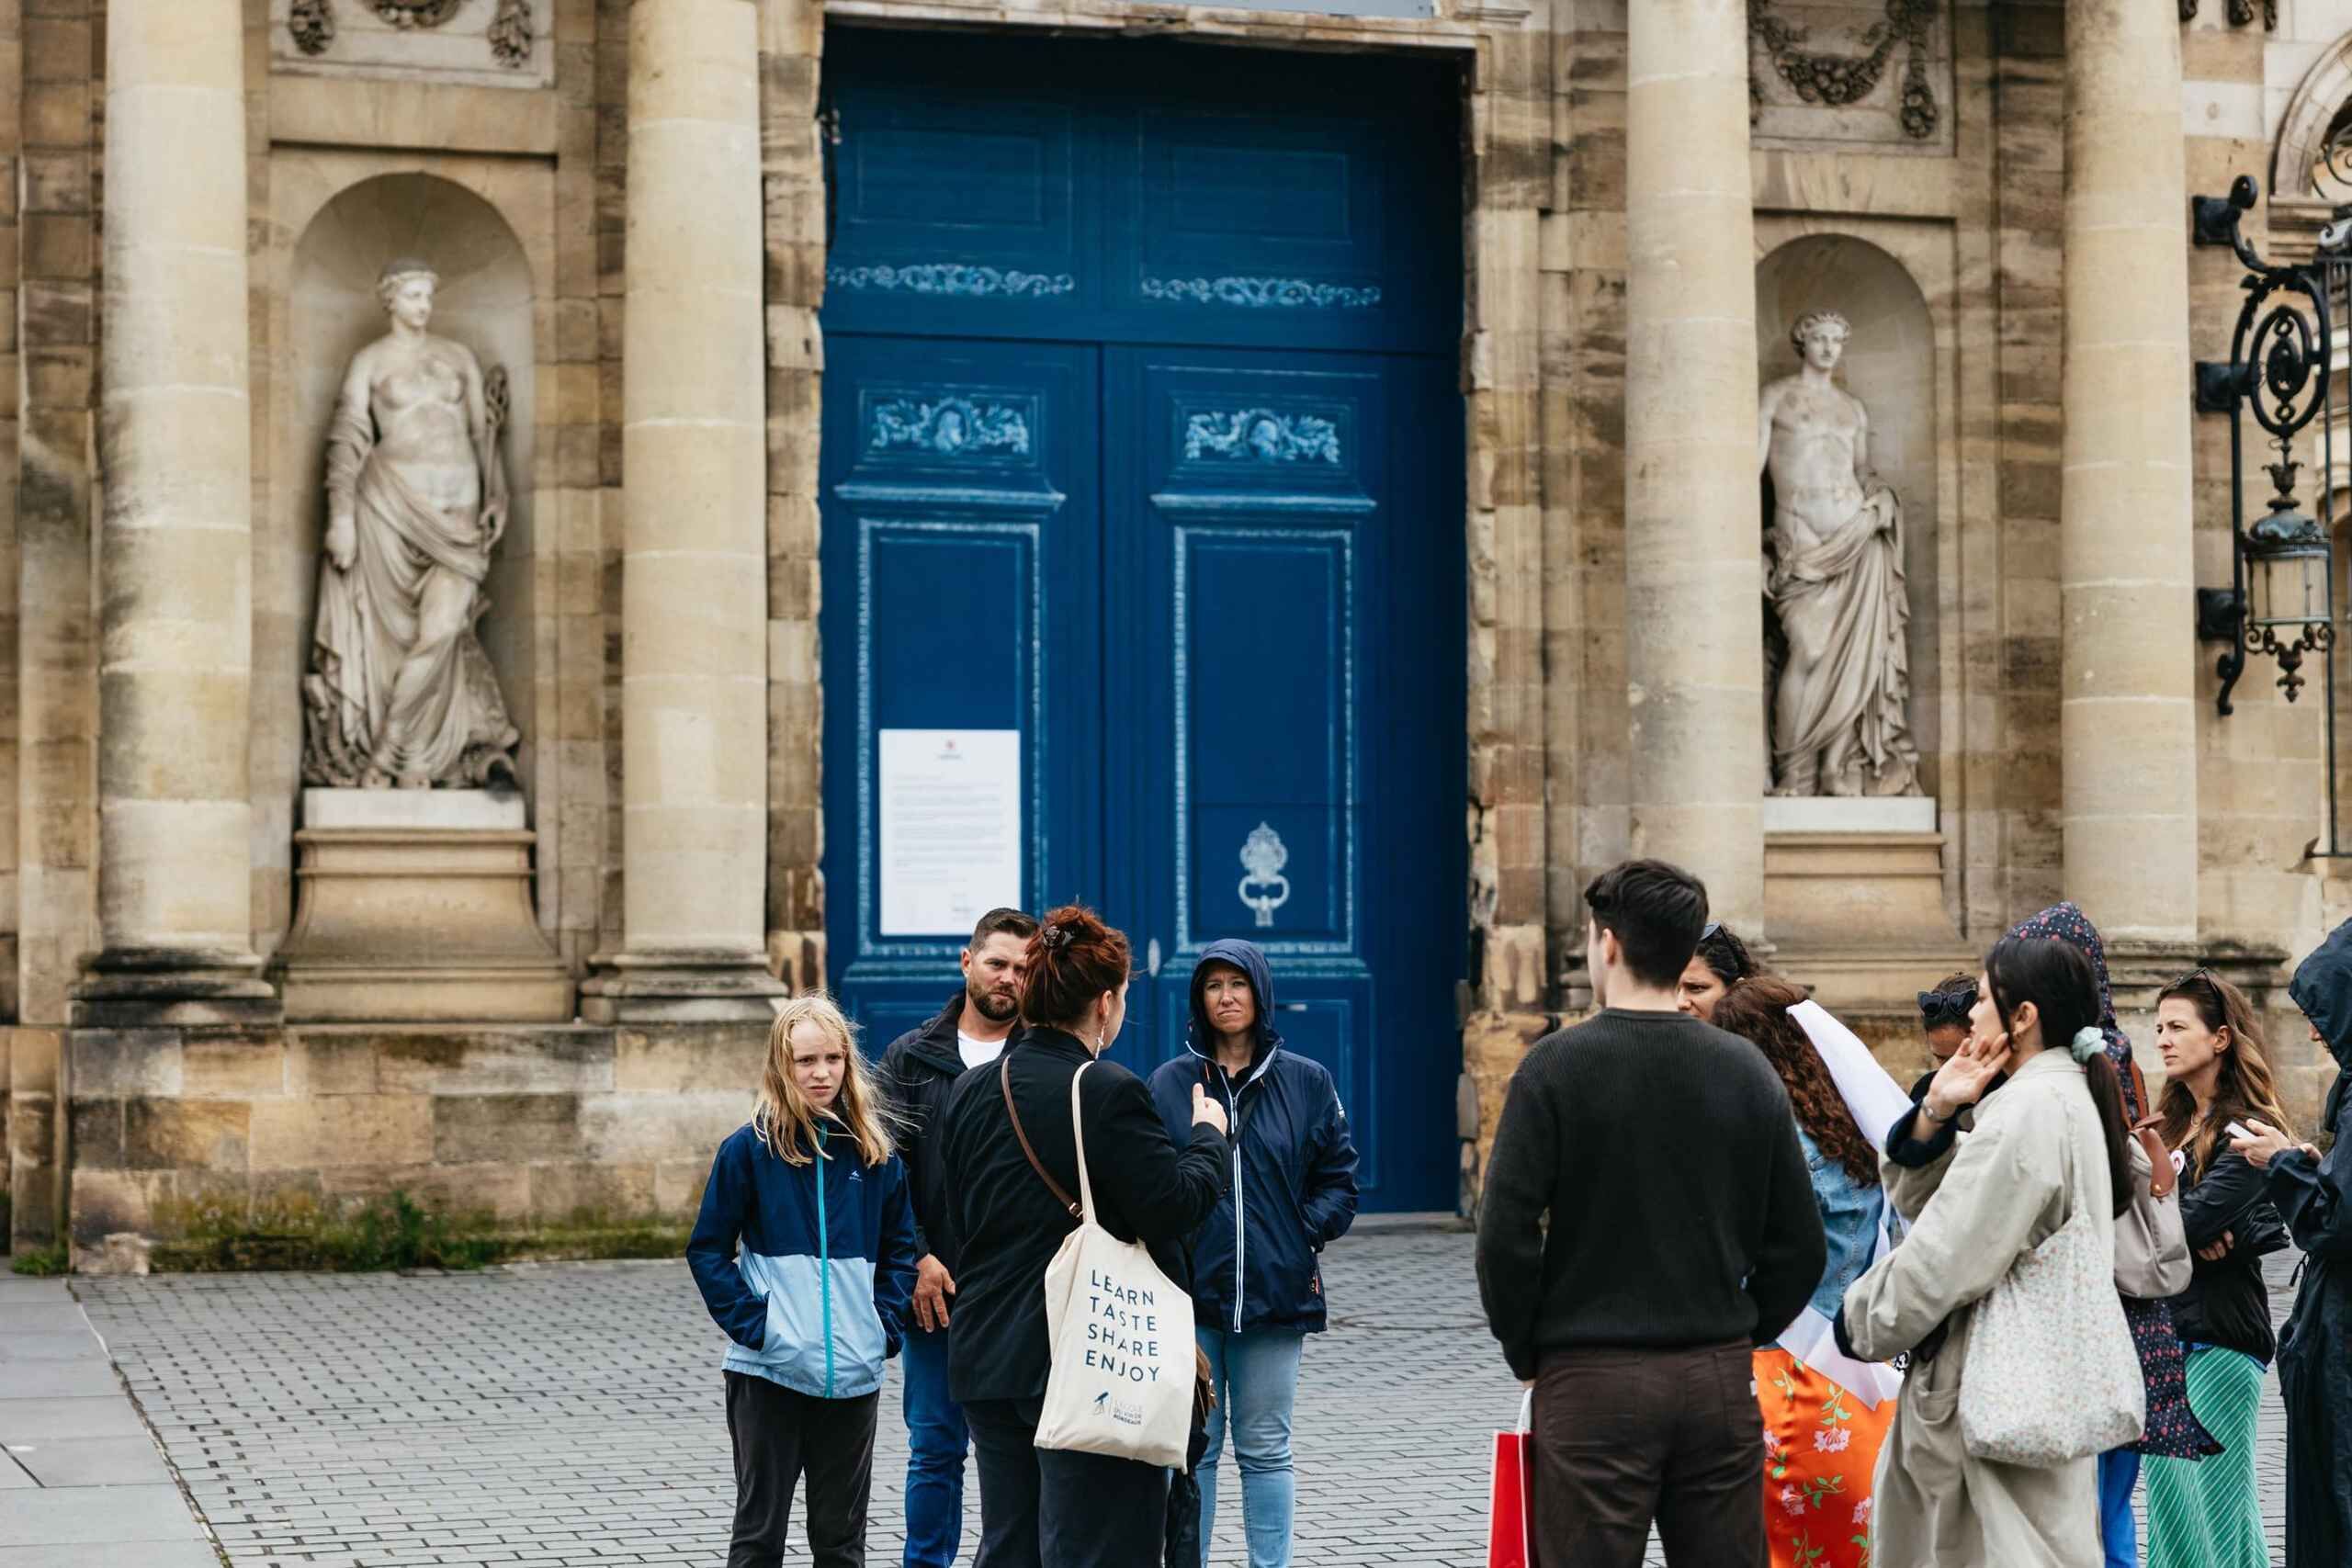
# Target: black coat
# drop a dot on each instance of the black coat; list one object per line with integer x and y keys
{"x": 2226, "y": 1302}
{"x": 1010, "y": 1226}
{"x": 2314, "y": 1368}
{"x": 918, "y": 1069}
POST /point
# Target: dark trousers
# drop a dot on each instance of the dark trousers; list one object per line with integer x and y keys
{"x": 1626, "y": 1437}
{"x": 780, "y": 1435}
{"x": 1046, "y": 1508}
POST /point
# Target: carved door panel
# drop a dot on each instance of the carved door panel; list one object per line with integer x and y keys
{"x": 959, "y": 511}
{"x": 1292, "y": 648}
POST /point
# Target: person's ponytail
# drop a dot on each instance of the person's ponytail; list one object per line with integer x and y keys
{"x": 2056, "y": 977}
{"x": 1071, "y": 962}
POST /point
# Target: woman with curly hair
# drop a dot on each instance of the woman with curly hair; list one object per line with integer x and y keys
{"x": 1721, "y": 962}
{"x": 1821, "y": 1437}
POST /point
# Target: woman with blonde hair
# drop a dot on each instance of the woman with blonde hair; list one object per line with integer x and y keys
{"x": 805, "y": 1254}
{"x": 2206, "y": 1514}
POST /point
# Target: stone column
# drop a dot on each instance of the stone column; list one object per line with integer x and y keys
{"x": 1694, "y": 624}
{"x": 2127, "y": 729}
{"x": 174, "y": 553}
{"x": 694, "y": 568}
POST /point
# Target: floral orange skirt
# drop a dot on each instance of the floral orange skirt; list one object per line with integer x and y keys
{"x": 1821, "y": 1447}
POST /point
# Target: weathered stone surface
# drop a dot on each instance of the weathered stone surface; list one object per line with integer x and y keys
{"x": 495, "y": 1061}
{"x": 626, "y": 1127}
{"x": 582, "y": 1188}
{"x": 242, "y": 1065}
{"x": 683, "y": 1059}
{"x": 342, "y": 1130}
{"x": 185, "y": 1134}
{"x": 126, "y": 1062}
{"x": 504, "y": 1127}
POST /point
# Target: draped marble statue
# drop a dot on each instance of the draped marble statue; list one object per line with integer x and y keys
{"x": 400, "y": 691}
{"x": 1840, "y": 718}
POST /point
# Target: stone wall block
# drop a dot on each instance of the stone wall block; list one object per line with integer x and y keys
{"x": 494, "y": 1062}
{"x": 562, "y": 1189}
{"x": 186, "y": 1134}
{"x": 630, "y": 1128}
{"x": 324, "y": 1062}
{"x": 689, "y": 1060}
{"x": 94, "y": 1131}
{"x": 336, "y": 1131}
{"x": 240, "y": 1065}
{"x": 124, "y": 1063}
{"x": 504, "y": 1127}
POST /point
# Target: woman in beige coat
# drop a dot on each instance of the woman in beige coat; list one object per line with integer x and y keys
{"x": 2050, "y": 1144}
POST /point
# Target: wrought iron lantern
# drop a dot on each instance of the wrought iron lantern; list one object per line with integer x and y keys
{"x": 2280, "y": 598}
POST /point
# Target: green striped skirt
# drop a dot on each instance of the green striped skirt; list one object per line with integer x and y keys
{"x": 2206, "y": 1513}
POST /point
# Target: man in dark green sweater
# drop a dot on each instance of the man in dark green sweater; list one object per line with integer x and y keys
{"x": 1646, "y": 1222}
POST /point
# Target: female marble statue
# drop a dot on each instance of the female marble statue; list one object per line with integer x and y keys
{"x": 400, "y": 691}
{"x": 1841, "y": 722}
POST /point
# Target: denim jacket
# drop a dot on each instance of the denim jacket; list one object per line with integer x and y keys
{"x": 1850, "y": 1213}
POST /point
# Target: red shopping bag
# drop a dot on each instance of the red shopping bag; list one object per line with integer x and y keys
{"x": 1511, "y": 1515}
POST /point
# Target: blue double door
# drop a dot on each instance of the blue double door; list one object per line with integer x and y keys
{"x": 1143, "y": 580}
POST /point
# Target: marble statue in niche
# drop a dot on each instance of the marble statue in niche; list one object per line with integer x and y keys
{"x": 399, "y": 691}
{"x": 1840, "y": 705}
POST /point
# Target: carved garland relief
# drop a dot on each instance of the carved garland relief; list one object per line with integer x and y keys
{"x": 312, "y": 24}
{"x": 1836, "y": 79}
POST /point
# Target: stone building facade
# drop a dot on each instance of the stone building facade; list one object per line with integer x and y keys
{"x": 632, "y": 206}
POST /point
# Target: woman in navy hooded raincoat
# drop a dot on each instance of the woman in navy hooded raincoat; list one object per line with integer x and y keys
{"x": 2314, "y": 1197}
{"x": 1257, "y": 1290}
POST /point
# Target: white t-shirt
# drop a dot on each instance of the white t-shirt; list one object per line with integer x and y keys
{"x": 977, "y": 1052}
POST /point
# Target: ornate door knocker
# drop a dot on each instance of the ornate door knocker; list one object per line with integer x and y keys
{"x": 1264, "y": 888}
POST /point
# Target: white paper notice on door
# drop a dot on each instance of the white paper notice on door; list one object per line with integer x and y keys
{"x": 950, "y": 828}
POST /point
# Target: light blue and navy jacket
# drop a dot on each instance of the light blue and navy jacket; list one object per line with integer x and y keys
{"x": 815, "y": 1295}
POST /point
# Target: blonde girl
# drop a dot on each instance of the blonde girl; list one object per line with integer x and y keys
{"x": 805, "y": 1255}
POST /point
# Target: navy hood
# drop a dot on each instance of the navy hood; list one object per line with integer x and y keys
{"x": 2323, "y": 988}
{"x": 1248, "y": 957}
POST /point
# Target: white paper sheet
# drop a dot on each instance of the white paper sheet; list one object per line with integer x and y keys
{"x": 1876, "y": 1101}
{"x": 950, "y": 807}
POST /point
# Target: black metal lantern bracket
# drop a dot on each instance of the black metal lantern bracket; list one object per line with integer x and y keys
{"x": 2277, "y": 371}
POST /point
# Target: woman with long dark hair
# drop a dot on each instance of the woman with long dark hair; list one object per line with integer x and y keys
{"x": 1052, "y": 1507}
{"x": 2050, "y": 1149}
{"x": 1821, "y": 1436}
{"x": 2207, "y": 1514}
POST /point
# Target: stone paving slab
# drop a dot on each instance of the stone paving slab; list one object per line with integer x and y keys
{"x": 81, "y": 1484}
{"x": 565, "y": 1414}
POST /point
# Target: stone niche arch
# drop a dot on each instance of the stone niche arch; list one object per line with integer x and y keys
{"x": 2297, "y": 155}
{"x": 1889, "y": 364}
{"x": 326, "y": 312}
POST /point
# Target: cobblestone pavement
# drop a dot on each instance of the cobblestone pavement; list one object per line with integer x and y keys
{"x": 570, "y": 1414}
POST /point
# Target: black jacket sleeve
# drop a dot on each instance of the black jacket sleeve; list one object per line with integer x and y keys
{"x": 1162, "y": 1190}
{"x": 2311, "y": 1197}
{"x": 1517, "y": 1195}
{"x": 2222, "y": 1201}
{"x": 912, "y": 1140}
{"x": 1795, "y": 1249}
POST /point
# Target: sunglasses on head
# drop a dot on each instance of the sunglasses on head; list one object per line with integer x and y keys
{"x": 1939, "y": 1008}
{"x": 1710, "y": 929}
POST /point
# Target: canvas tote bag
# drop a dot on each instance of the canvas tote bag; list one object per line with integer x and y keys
{"x": 1121, "y": 1336}
{"x": 2052, "y": 1374}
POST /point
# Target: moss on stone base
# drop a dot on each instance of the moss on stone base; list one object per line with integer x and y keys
{"x": 392, "y": 1231}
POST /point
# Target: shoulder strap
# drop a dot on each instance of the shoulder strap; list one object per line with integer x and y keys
{"x": 1078, "y": 1136}
{"x": 1004, "y": 1082}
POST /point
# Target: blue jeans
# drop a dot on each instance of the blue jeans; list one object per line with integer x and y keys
{"x": 1256, "y": 1374}
{"x": 936, "y": 1439}
{"x": 2119, "y": 1470}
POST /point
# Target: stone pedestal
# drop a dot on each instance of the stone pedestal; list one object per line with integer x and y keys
{"x": 1854, "y": 898}
{"x": 415, "y": 906}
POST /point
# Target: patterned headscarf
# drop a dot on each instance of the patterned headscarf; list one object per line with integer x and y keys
{"x": 2066, "y": 923}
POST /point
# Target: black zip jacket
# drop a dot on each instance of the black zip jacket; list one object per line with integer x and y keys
{"x": 918, "y": 1069}
{"x": 2226, "y": 1302}
{"x": 1009, "y": 1225}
